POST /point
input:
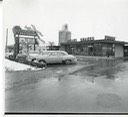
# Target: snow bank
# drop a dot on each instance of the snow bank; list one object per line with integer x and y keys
{"x": 14, "y": 66}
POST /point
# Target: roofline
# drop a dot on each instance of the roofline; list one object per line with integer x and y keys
{"x": 95, "y": 41}
{"x": 53, "y": 46}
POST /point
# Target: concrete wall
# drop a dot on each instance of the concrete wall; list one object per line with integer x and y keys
{"x": 119, "y": 50}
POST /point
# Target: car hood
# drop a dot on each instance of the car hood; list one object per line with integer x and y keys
{"x": 33, "y": 55}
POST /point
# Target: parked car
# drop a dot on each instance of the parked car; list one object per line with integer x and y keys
{"x": 9, "y": 55}
{"x": 49, "y": 57}
{"x": 21, "y": 57}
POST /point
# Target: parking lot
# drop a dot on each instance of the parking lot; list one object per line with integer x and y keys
{"x": 79, "y": 88}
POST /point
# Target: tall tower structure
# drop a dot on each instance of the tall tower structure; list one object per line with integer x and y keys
{"x": 64, "y": 34}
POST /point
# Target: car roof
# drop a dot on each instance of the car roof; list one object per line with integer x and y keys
{"x": 53, "y": 51}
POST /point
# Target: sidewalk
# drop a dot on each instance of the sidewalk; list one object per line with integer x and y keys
{"x": 96, "y": 58}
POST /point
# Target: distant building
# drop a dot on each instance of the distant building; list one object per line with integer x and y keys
{"x": 64, "y": 34}
{"x": 102, "y": 47}
{"x": 54, "y": 47}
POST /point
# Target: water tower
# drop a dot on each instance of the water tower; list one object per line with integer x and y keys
{"x": 64, "y": 34}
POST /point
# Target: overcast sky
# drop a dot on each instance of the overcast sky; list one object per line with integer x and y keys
{"x": 84, "y": 17}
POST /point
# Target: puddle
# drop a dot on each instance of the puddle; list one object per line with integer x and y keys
{"x": 106, "y": 68}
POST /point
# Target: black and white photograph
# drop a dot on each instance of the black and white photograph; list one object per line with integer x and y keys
{"x": 65, "y": 56}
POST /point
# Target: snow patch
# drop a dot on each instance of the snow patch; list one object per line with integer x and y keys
{"x": 14, "y": 66}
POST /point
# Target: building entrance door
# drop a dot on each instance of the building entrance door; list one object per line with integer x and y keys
{"x": 90, "y": 50}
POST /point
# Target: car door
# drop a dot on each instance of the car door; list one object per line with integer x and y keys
{"x": 54, "y": 58}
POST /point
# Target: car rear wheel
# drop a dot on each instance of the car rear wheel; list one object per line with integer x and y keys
{"x": 43, "y": 63}
{"x": 67, "y": 62}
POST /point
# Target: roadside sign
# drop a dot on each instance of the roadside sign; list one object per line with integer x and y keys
{"x": 26, "y": 41}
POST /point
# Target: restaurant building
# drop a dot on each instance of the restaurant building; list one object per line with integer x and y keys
{"x": 101, "y": 47}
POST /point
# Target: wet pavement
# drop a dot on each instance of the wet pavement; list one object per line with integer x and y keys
{"x": 81, "y": 88}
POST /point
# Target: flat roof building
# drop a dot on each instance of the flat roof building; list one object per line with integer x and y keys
{"x": 101, "y": 47}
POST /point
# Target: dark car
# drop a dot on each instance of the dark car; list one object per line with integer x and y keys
{"x": 21, "y": 57}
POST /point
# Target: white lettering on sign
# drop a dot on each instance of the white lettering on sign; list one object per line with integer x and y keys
{"x": 26, "y": 40}
{"x": 26, "y": 36}
{"x": 31, "y": 41}
{"x": 22, "y": 40}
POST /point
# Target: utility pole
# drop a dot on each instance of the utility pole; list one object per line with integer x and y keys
{"x": 6, "y": 39}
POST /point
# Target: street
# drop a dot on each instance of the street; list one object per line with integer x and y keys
{"x": 85, "y": 87}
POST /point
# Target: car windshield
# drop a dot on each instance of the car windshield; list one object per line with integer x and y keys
{"x": 62, "y": 53}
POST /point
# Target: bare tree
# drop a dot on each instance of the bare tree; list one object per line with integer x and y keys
{"x": 39, "y": 34}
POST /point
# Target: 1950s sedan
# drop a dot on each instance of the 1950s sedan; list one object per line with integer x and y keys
{"x": 49, "y": 57}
